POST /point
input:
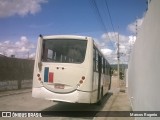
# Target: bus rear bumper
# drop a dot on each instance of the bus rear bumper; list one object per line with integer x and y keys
{"x": 73, "y": 97}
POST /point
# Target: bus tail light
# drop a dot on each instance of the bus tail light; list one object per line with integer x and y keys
{"x": 39, "y": 77}
{"x": 83, "y": 77}
{"x": 81, "y": 81}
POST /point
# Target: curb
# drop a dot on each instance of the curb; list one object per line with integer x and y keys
{"x": 16, "y": 92}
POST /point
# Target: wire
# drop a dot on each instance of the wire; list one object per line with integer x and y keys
{"x": 101, "y": 20}
{"x": 110, "y": 17}
{"x": 93, "y": 3}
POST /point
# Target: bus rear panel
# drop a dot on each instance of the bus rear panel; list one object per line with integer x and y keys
{"x": 60, "y": 71}
{"x": 64, "y": 70}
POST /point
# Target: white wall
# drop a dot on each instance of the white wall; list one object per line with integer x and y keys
{"x": 144, "y": 65}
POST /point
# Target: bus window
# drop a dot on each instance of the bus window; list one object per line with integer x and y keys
{"x": 99, "y": 63}
{"x": 94, "y": 59}
{"x": 64, "y": 50}
{"x": 104, "y": 63}
{"x": 97, "y": 60}
{"x": 106, "y": 67}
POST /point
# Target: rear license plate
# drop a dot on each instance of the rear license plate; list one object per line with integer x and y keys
{"x": 59, "y": 86}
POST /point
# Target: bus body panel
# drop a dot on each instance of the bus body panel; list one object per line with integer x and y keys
{"x": 73, "y": 97}
{"x": 67, "y": 82}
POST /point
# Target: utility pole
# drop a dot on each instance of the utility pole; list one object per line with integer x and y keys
{"x": 136, "y": 26}
{"x": 118, "y": 60}
{"x": 149, "y": 2}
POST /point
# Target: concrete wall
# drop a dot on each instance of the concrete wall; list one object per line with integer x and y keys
{"x": 13, "y": 84}
{"x": 144, "y": 66}
{"x": 15, "y": 73}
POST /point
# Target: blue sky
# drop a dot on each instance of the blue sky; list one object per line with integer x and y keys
{"x": 21, "y": 22}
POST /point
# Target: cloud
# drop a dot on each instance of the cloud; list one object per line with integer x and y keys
{"x": 132, "y": 40}
{"x": 21, "y": 48}
{"x": 24, "y": 45}
{"x": 109, "y": 36}
{"x": 107, "y": 51}
{"x": 100, "y": 44}
{"x": 113, "y": 37}
{"x": 135, "y": 26}
{"x": 125, "y": 45}
{"x": 19, "y": 7}
{"x": 126, "y": 42}
{"x": 32, "y": 55}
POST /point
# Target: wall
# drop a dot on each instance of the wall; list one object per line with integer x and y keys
{"x": 15, "y": 73}
{"x": 144, "y": 66}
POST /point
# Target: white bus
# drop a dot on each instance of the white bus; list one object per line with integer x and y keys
{"x": 70, "y": 68}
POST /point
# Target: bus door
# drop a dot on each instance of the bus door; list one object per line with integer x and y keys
{"x": 99, "y": 75}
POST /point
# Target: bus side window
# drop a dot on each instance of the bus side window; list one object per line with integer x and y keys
{"x": 94, "y": 59}
{"x": 106, "y": 68}
{"x": 104, "y": 63}
{"x": 97, "y": 61}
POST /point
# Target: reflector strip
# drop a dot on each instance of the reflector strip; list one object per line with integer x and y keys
{"x": 51, "y": 75}
{"x": 46, "y": 70}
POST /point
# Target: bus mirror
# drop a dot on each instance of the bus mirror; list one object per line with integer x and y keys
{"x": 40, "y": 66}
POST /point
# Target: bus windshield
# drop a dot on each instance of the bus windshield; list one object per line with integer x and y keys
{"x": 64, "y": 50}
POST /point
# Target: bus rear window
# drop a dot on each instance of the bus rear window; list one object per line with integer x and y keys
{"x": 64, "y": 50}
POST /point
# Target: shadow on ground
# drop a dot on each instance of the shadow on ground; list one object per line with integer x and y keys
{"x": 75, "y": 109}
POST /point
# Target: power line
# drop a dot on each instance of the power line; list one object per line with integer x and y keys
{"x": 99, "y": 15}
{"x": 116, "y": 37}
{"x": 101, "y": 20}
{"x": 110, "y": 17}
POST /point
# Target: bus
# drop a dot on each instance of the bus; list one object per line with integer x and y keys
{"x": 70, "y": 68}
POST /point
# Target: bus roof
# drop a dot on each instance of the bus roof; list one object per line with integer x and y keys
{"x": 65, "y": 36}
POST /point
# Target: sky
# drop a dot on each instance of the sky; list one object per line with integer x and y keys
{"x": 21, "y": 22}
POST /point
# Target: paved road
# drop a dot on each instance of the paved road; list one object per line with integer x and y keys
{"x": 25, "y": 102}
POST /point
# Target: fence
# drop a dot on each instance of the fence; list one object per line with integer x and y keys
{"x": 15, "y": 73}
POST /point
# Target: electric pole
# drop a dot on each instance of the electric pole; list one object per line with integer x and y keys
{"x": 136, "y": 26}
{"x": 149, "y": 2}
